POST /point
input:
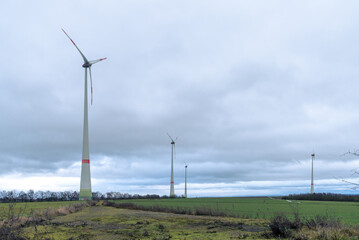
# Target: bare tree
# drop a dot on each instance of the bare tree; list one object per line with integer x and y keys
{"x": 355, "y": 186}
{"x": 30, "y": 195}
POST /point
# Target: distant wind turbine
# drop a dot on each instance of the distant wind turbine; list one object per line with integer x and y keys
{"x": 173, "y": 149}
{"x": 312, "y": 183}
{"x": 185, "y": 179}
{"x": 85, "y": 185}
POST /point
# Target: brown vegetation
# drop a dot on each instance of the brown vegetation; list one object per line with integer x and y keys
{"x": 318, "y": 227}
{"x": 11, "y": 228}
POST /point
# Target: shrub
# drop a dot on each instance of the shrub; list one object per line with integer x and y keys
{"x": 318, "y": 227}
{"x": 10, "y": 228}
{"x": 281, "y": 226}
{"x": 322, "y": 222}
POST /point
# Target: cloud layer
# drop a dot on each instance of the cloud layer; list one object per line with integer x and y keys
{"x": 250, "y": 88}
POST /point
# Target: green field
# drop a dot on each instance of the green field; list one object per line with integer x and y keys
{"x": 103, "y": 223}
{"x": 101, "y": 220}
{"x": 347, "y": 212}
{"x": 265, "y": 208}
{"x": 27, "y": 207}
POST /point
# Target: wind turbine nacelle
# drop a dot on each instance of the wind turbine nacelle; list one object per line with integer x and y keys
{"x": 86, "y": 65}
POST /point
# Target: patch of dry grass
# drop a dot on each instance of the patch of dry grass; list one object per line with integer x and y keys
{"x": 327, "y": 233}
{"x": 318, "y": 227}
{"x": 11, "y": 227}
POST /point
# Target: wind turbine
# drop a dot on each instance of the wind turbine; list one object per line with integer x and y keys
{"x": 173, "y": 149}
{"x": 185, "y": 179}
{"x": 85, "y": 185}
{"x": 312, "y": 184}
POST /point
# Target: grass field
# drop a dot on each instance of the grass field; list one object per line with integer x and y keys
{"x": 26, "y": 208}
{"x": 102, "y": 222}
{"x": 99, "y": 220}
{"x": 347, "y": 212}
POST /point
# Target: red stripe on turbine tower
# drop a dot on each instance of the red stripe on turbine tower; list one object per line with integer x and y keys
{"x": 86, "y": 161}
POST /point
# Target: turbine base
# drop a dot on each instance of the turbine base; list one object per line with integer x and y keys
{"x": 85, "y": 194}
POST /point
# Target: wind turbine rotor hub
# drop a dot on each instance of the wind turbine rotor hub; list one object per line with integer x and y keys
{"x": 86, "y": 65}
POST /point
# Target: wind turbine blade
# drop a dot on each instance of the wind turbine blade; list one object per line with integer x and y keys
{"x": 91, "y": 85}
{"x": 170, "y": 137}
{"x": 176, "y": 138}
{"x": 83, "y": 56}
{"x": 96, "y": 61}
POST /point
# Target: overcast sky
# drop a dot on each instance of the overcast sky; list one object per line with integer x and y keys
{"x": 251, "y": 89}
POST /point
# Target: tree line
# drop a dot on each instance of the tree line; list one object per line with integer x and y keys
{"x": 323, "y": 197}
{"x": 47, "y": 196}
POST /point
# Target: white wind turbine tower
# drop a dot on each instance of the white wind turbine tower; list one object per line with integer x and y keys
{"x": 312, "y": 183}
{"x": 185, "y": 179}
{"x": 85, "y": 185}
{"x": 173, "y": 149}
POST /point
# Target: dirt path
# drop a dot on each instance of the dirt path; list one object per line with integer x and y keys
{"x": 100, "y": 222}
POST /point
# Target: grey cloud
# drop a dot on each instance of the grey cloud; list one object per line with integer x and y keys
{"x": 243, "y": 85}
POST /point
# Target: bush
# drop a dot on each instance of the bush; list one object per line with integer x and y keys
{"x": 10, "y": 228}
{"x": 318, "y": 227}
{"x": 281, "y": 226}
{"x": 322, "y": 222}
{"x": 8, "y": 232}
